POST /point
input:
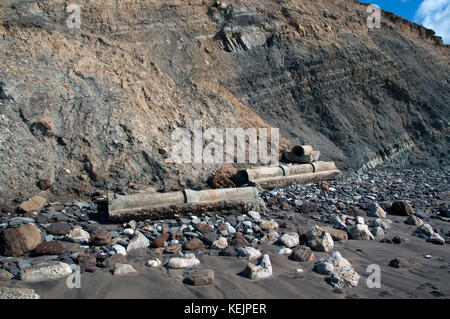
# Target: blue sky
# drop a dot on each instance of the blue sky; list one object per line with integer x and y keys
{"x": 433, "y": 14}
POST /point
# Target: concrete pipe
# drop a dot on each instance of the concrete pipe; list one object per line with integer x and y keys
{"x": 121, "y": 202}
{"x": 300, "y": 150}
{"x": 297, "y": 169}
{"x": 263, "y": 172}
{"x": 323, "y": 166}
{"x": 225, "y": 194}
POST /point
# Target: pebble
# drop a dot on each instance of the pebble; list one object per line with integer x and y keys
{"x": 184, "y": 261}
{"x": 123, "y": 269}
{"x": 260, "y": 271}
{"x": 290, "y": 240}
{"x": 154, "y": 262}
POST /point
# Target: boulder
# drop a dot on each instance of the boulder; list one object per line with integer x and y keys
{"x": 268, "y": 225}
{"x": 78, "y": 235}
{"x": 361, "y": 232}
{"x": 123, "y": 269}
{"x": 202, "y": 277}
{"x": 34, "y": 204}
{"x": 401, "y": 208}
{"x": 375, "y": 210}
{"x": 159, "y": 241}
{"x": 413, "y": 220}
{"x": 59, "y": 228}
{"x": 319, "y": 239}
{"x": 260, "y": 271}
{"x": 302, "y": 254}
{"x": 290, "y": 240}
{"x": 336, "y": 234}
{"x": 340, "y": 270}
{"x": 194, "y": 244}
{"x": 49, "y": 248}
{"x": 184, "y": 261}
{"x": 100, "y": 237}
{"x": 249, "y": 252}
{"x": 138, "y": 241}
{"x": 220, "y": 243}
{"x": 18, "y": 241}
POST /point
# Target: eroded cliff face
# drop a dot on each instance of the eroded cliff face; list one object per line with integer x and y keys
{"x": 97, "y": 105}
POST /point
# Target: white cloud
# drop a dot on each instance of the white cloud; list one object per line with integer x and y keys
{"x": 435, "y": 14}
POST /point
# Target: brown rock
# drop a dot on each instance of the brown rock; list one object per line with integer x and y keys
{"x": 49, "y": 248}
{"x": 204, "y": 228}
{"x": 47, "y": 180}
{"x": 18, "y": 241}
{"x": 86, "y": 261}
{"x": 5, "y": 275}
{"x": 100, "y": 237}
{"x": 34, "y": 204}
{"x": 308, "y": 207}
{"x": 202, "y": 277}
{"x": 285, "y": 206}
{"x": 113, "y": 260}
{"x": 324, "y": 186}
{"x": 194, "y": 244}
{"x": 59, "y": 228}
{"x": 159, "y": 241}
{"x": 174, "y": 249}
{"x": 336, "y": 234}
{"x": 223, "y": 178}
{"x": 401, "y": 263}
{"x": 401, "y": 208}
{"x": 239, "y": 241}
{"x": 302, "y": 254}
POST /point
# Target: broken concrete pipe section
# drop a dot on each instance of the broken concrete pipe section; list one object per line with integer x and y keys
{"x": 302, "y": 154}
{"x": 174, "y": 204}
{"x": 266, "y": 178}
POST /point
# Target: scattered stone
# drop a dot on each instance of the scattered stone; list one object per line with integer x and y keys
{"x": 261, "y": 271}
{"x": 49, "y": 248}
{"x": 202, "y": 277}
{"x": 110, "y": 262}
{"x": 18, "y": 241}
{"x": 436, "y": 239}
{"x": 336, "y": 234}
{"x": 59, "y": 228}
{"x": 401, "y": 263}
{"x": 285, "y": 251}
{"x": 5, "y": 275}
{"x": 239, "y": 241}
{"x": 129, "y": 231}
{"x": 78, "y": 235}
{"x": 308, "y": 207}
{"x": 413, "y": 220}
{"x": 401, "y": 208}
{"x": 86, "y": 262}
{"x": 398, "y": 240}
{"x": 204, "y": 228}
{"x": 220, "y": 243}
{"x": 123, "y": 269}
{"x": 34, "y": 204}
{"x": 361, "y": 232}
{"x": 184, "y": 261}
{"x": 254, "y": 215}
{"x": 290, "y": 240}
{"x": 159, "y": 241}
{"x": 47, "y": 179}
{"x": 100, "y": 237}
{"x": 302, "y": 254}
{"x": 270, "y": 238}
{"x": 155, "y": 262}
{"x": 249, "y": 252}
{"x": 341, "y": 271}
{"x": 425, "y": 229}
{"x": 228, "y": 251}
{"x": 378, "y": 232}
{"x": 268, "y": 225}
{"x": 46, "y": 271}
{"x": 319, "y": 239}
{"x": 138, "y": 241}
{"x": 118, "y": 249}
{"x": 174, "y": 249}
{"x": 375, "y": 210}
{"x": 194, "y": 244}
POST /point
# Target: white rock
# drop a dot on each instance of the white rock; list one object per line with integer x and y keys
{"x": 129, "y": 231}
{"x": 376, "y": 210}
{"x": 138, "y": 241}
{"x": 425, "y": 229}
{"x": 184, "y": 261}
{"x": 290, "y": 240}
{"x": 255, "y": 215}
{"x": 155, "y": 262}
{"x": 123, "y": 269}
{"x": 437, "y": 239}
{"x": 285, "y": 251}
{"x": 359, "y": 220}
{"x": 119, "y": 249}
{"x": 230, "y": 228}
{"x": 220, "y": 243}
{"x": 78, "y": 235}
{"x": 381, "y": 222}
{"x": 341, "y": 271}
{"x": 338, "y": 222}
{"x": 261, "y": 271}
{"x": 378, "y": 232}
{"x": 319, "y": 239}
{"x": 270, "y": 238}
{"x": 45, "y": 271}
{"x": 247, "y": 223}
{"x": 361, "y": 232}
{"x": 249, "y": 252}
